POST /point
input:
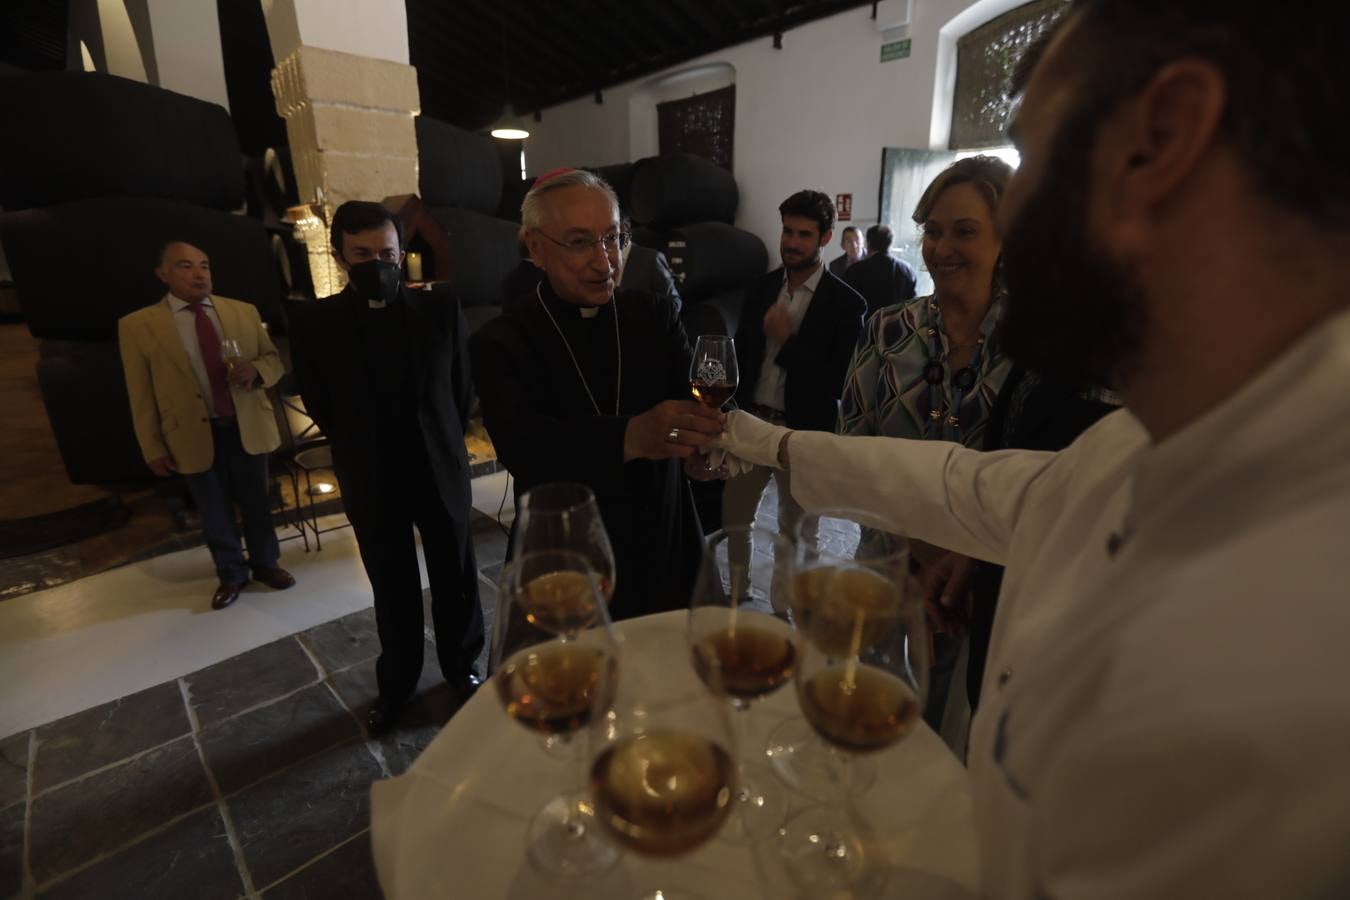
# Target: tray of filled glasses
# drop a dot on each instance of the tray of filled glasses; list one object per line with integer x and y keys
{"x": 766, "y": 742}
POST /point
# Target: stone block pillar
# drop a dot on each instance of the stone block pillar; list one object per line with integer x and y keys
{"x": 349, "y": 120}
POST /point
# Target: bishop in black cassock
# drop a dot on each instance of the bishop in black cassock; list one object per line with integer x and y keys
{"x": 568, "y": 394}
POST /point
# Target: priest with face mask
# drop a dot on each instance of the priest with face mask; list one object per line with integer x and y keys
{"x": 384, "y": 373}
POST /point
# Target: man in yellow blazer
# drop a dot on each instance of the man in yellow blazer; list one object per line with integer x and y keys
{"x": 196, "y": 366}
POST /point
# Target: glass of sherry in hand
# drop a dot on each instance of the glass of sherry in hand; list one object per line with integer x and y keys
{"x": 735, "y": 635}
{"x": 555, "y": 665}
{"x": 713, "y": 374}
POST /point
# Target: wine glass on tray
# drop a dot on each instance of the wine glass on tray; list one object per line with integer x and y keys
{"x": 663, "y": 771}
{"x": 554, "y": 663}
{"x": 743, "y": 651}
{"x": 861, "y": 679}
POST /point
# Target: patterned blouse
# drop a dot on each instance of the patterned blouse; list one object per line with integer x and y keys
{"x": 887, "y": 394}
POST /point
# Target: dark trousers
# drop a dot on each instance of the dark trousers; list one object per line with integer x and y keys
{"x": 389, "y": 554}
{"x": 235, "y": 476}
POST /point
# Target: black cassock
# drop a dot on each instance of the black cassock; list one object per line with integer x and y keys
{"x": 545, "y": 428}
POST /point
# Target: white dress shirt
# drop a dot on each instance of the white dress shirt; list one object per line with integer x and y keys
{"x": 185, "y": 320}
{"x": 1166, "y": 706}
{"x": 772, "y": 379}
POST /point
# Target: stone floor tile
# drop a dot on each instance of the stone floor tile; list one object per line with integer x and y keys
{"x": 293, "y": 817}
{"x": 249, "y": 679}
{"x": 346, "y": 641}
{"x": 246, "y": 748}
{"x": 11, "y": 850}
{"x": 347, "y": 873}
{"x": 76, "y": 822}
{"x": 489, "y": 540}
{"x": 359, "y": 689}
{"x": 70, "y": 747}
{"x": 13, "y": 770}
{"x": 191, "y": 858}
{"x": 422, "y": 719}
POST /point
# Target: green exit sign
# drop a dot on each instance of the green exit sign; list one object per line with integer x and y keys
{"x": 895, "y": 50}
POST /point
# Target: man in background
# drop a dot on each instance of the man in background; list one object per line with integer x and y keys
{"x": 200, "y": 410}
{"x": 852, "y": 242}
{"x": 882, "y": 279}
{"x": 797, "y": 332}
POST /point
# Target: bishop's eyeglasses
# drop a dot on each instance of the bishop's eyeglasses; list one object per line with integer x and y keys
{"x": 612, "y": 242}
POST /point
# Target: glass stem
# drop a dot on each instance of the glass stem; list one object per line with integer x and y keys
{"x": 740, "y": 710}
{"x": 836, "y": 842}
{"x": 576, "y": 826}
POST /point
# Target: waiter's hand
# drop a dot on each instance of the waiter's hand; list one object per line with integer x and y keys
{"x": 946, "y": 592}
{"x": 163, "y": 467}
{"x": 674, "y": 429}
{"x": 243, "y": 374}
{"x": 777, "y": 323}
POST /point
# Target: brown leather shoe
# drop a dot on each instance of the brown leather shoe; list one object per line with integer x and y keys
{"x": 225, "y": 595}
{"x": 276, "y": 578}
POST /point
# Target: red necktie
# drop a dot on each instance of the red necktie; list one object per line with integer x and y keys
{"x": 209, "y": 341}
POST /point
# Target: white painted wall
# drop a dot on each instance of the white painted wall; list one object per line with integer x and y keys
{"x": 373, "y": 28}
{"x": 188, "y": 55}
{"x": 815, "y": 114}
{"x": 173, "y": 44}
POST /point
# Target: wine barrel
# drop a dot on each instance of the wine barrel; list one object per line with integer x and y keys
{"x": 77, "y": 135}
{"x": 85, "y": 393}
{"x": 116, "y": 242}
{"x": 710, "y": 257}
{"x": 679, "y": 188}
{"x": 513, "y": 194}
{"x": 292, "y": 261}
{"x": 718, "y": 314}
{"x": 483, "y": 251}
{"x": 457, "y": 167}
{"x": 620, "y": 177}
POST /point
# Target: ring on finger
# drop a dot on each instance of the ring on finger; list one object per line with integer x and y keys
{"x": 673, "y": 435}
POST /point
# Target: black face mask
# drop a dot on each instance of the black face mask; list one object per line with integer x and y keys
{"x": 375, "y": 279}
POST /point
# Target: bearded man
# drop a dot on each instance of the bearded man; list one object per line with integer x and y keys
{"x": 1163, "y": 711}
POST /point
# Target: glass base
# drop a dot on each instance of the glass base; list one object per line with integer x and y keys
{"x": 557, "y": 746}
{"x": 564, "y": 838}
{"x": 824, "y": 854}
{"x": 806, "y": 764}
{"x": 758, "y": 813}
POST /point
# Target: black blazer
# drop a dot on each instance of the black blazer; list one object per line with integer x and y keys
{"x": 326, "y": 354}
{"x": 815, "y": 359}
{"x": 882, "y": 280}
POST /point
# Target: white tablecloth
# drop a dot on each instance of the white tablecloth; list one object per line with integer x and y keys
{"x": 453, "y": 825}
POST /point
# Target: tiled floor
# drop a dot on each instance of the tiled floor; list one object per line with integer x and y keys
{"x": 245, "y": 776}
{"x": 248, "y": 778}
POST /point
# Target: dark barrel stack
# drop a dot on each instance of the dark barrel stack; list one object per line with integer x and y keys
{"x": 461, "y": 181}
{"x": 683, "y": 207}
{"x": 107, "y": 169}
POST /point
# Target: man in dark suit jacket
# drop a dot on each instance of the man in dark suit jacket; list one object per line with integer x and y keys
{"x": 797, "y": 332}
{"x": 882, "y": 279}
{"x": 384, "y": 373}
{"x": 854, "y": 250}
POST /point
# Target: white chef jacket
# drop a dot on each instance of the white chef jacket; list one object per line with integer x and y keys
{"x": 1166, "y": 706}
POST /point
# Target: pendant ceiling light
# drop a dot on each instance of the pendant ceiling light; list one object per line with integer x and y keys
{"x": 509, "y": 132}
